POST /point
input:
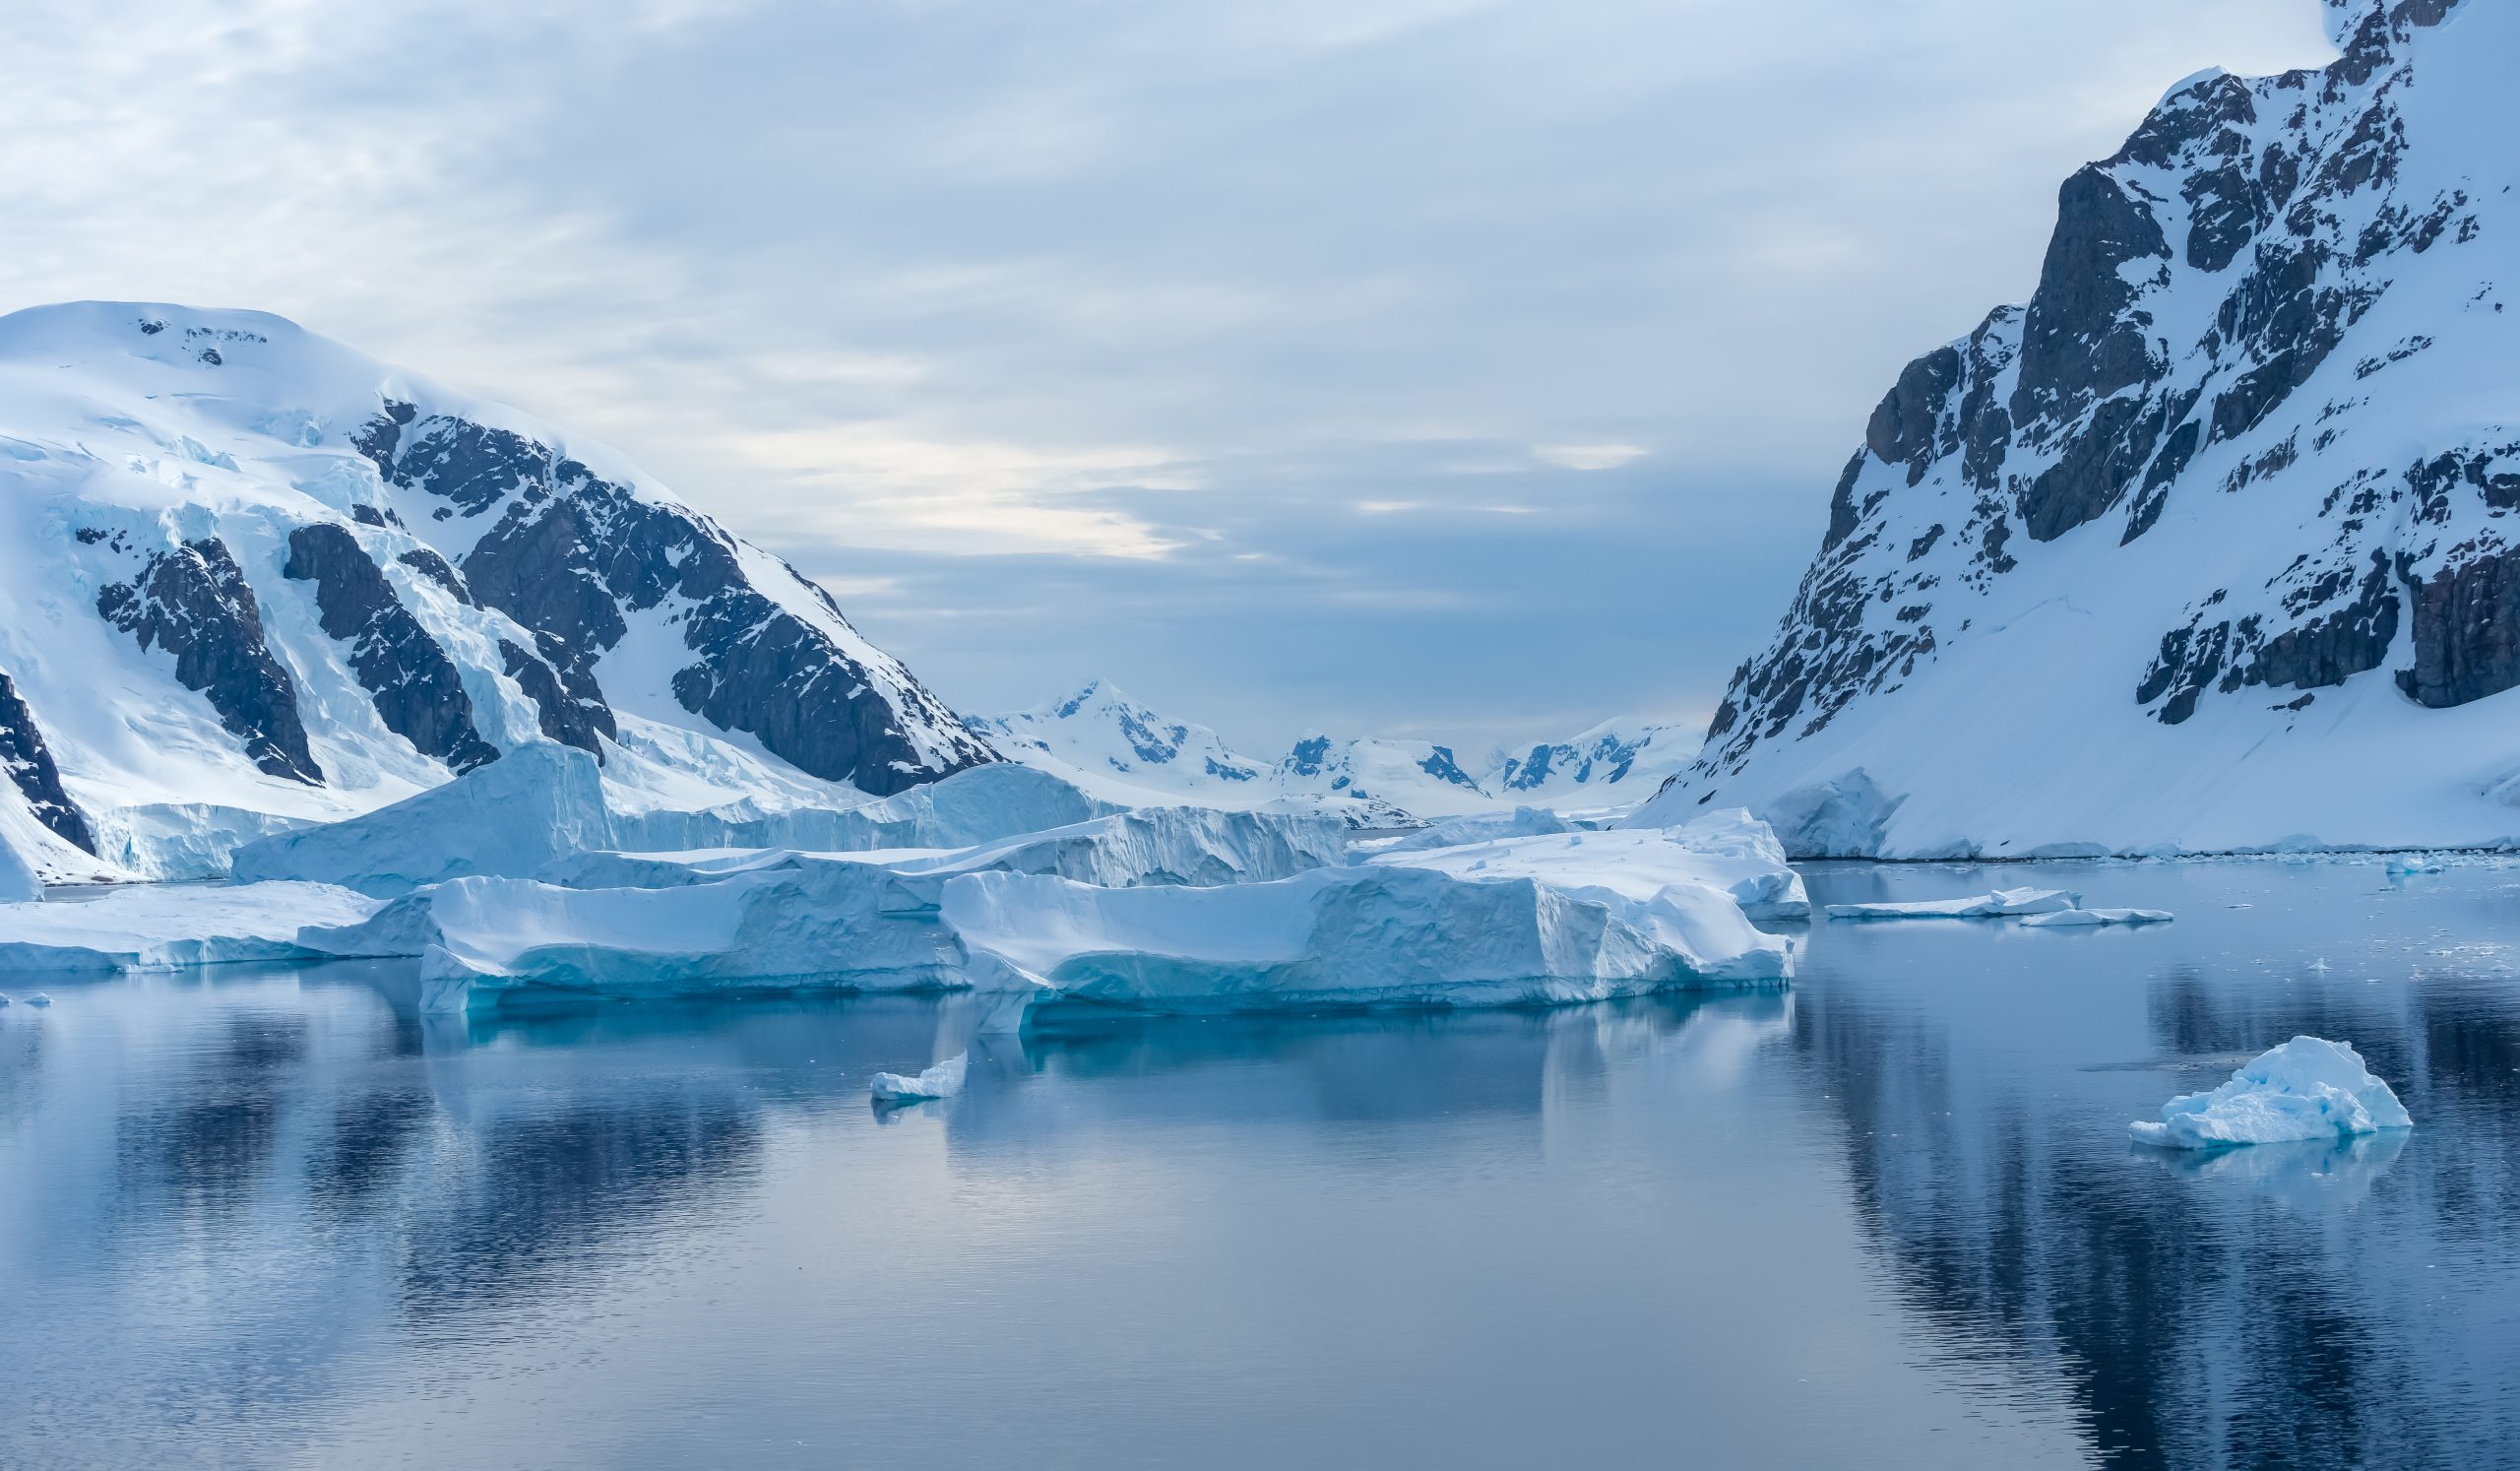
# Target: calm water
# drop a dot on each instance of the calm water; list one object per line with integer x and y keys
{"x": 260, "y": 1218}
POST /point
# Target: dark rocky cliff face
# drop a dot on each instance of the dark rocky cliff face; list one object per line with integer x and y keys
{"x": 2193, "y": 308}
{"x": 417, "y": 688}
{"x": 27, "y": 762}
{"x": 193, "y": 603}
{"x": 575, "y": 558}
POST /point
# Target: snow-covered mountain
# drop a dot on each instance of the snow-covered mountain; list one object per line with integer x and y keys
{"x": 1118, "y": 748}
{"x": 248, "y": 576}
{"x": 2212, "y": 545}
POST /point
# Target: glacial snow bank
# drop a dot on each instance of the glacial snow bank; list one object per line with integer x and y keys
{"x": 2307, "y": 1089}
{"x": 1371, "y": 935}
{"x": 2002, "y": 904}
{"x": 539, "y": 804}
{"x": 984, "y": 804}
{"x": 18, "y": 881}
{"x": 1729, "y": 852}
{"x": 164, "y": 927}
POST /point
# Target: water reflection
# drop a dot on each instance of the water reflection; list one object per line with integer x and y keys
{"x": 1891, "y": 1216}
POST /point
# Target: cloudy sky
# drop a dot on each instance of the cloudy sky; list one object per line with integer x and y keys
{"x": 1475, "y": 369}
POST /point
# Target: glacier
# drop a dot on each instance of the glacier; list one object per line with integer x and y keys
{"x": 2307, "y": 1089}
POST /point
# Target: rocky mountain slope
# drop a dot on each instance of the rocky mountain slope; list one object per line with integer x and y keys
{"x": 250, "y": 577}
{"x": 2210, "y": 545}
{"x": 1111, "y": 745}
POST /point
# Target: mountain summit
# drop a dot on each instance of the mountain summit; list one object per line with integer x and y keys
{"x": 249, "y": 576}
{"x": 2210, "y": 544}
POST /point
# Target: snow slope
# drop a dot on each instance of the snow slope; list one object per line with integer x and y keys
{"x": 1123, "y": 751}
{"x": 2212, "y": 546}
{"x": 247, "y": 575}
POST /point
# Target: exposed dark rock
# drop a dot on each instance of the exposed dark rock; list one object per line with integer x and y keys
{"x": 416, "y": 690}
{"x": 2082, "y": 340}
{"x": 2467, "y": 633}
{"x": 562, "y": 717}
{"x": 193, "y": 601}
{"x": 435, "y": 569}
{"x": 2351, "y": 637}
{"x": 27, "y": 763}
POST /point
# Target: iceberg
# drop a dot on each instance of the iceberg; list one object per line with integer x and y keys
{"x": 1727, "y": 851}
{"x": 2068, "y": 919}
{"x": 538, "y": 803}
{"x": 2002, "y": 904}
{"x": 2307, "y": 1089}
{"x": 1476, "y": 827}
{"x": 1170, "y": 847}
{"x": 39, "y": 998}
{"x": 822, "y": 924}
{"x": 165, "y": 926}
{"x": 944, "y": 1080}
{"x": 1364, "y": 936}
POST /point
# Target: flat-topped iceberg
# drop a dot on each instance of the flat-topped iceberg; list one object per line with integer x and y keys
{"x": 2002, "y": 904}
{"x": 538, "y": 803}
{"x": 830, "y": 925}
{"x": 2072, "y": 918}
{"x": 2307, "y": 1089}
{"x": 1730, "y": 852}
{"x": 944, "y": 1080}
{"x": 163, "y": 927}
{"x": 1371, "y": 935}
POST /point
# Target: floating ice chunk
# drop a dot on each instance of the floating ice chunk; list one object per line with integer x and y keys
{"x": 2306, "y": 1089}
{"x": 157, "y": 926}
{"x": 2068, "y": 919}
{"x": 823, "y": 925}
{"x": 944, "y": 1080}
{"x": 537, "y": 804}
{"x": 39, "y": 998}
{"x": 1371, "y": 935}
{"x": 1726, "y": 851}
{"x": 2407, "y": 865}
{"x": 2000, "y": 904}
{"x": 4, "y": 1000}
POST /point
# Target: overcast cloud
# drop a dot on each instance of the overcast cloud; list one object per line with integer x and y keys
{"x": 1439, "y": 366}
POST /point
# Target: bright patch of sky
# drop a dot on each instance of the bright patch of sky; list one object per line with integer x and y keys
{"x": 1452, "y": 367}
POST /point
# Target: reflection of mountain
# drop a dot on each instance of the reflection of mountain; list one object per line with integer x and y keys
{"x": 2275, "y": 1308}
{"x": 334, "y": 1173}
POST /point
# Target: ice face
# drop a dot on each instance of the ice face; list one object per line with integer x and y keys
{"x": 2307, "y": 1089}
{"x": 18, "y": 881}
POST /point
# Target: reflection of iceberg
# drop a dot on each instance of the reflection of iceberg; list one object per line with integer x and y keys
{"x": 2304, "y": 1173}
{"x": 2307, "y": 1089}
{"x": 1997, "y": 905}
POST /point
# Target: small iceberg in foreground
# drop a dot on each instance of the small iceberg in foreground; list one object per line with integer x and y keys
{"x": 944, "y": 1080}
{"x": 2307, "y": 1089}
{"x": 2002, "y": 904}
{"x": 2070, "y": 919}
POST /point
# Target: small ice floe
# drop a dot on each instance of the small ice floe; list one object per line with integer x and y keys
{"x": 944, "y": 1080}
{"x": 39, "y": 998}
{"x": 2002, "y": 904}
{"x": 2068, "y": 919}
{"x": 2408, "y": 865}
{"x": 2306, "y": 1089}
